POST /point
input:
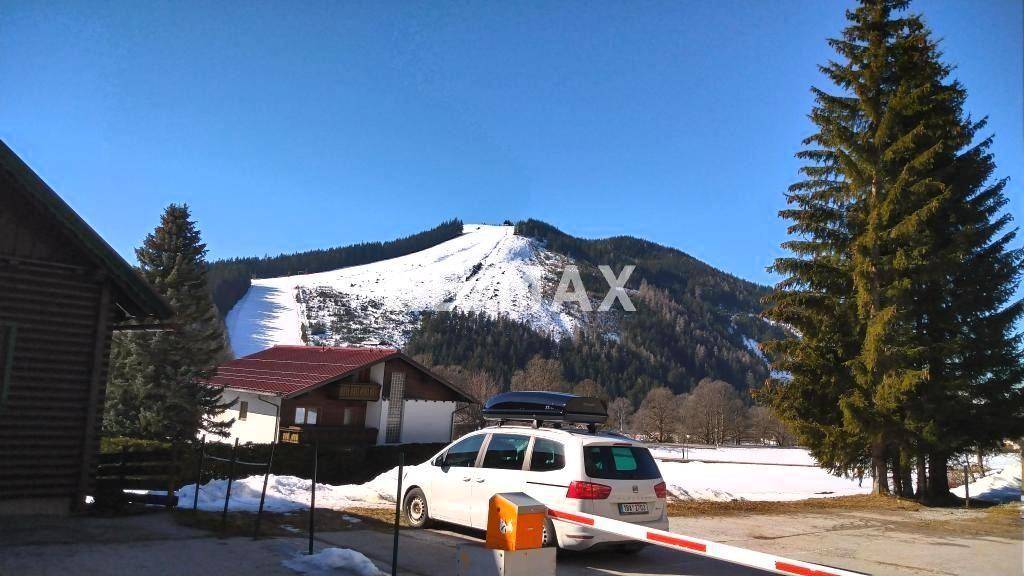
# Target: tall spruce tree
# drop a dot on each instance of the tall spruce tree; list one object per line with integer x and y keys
{"x": 156, "y": 388}
{"x": 902, "y": 276}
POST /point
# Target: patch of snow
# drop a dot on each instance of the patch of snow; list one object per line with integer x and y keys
{"x": 751, "y": 345}
{"x": 289, "y": 493}
{"x": 1002, "y": 485}
{"x": 487, "y": 269}
{"x": 1001, "y": 460}
{"x": 334, "y": 561}
{"x": 746, "y": 473}
{"x": 722, "y": 482}
{"x": 739, "y": 454}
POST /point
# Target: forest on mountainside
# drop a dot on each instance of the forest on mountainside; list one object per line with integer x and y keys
{"x": 229, "y": 279}
{"x": 692, "y": 322}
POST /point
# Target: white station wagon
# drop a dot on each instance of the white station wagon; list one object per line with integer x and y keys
{"x": 567, "y": 469}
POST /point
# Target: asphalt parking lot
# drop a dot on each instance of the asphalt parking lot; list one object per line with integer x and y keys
{"x": 154, "y": 545}
{"x": 871, "y": 542}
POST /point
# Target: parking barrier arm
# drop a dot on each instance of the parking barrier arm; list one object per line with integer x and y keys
{"x": 701, "y": 547}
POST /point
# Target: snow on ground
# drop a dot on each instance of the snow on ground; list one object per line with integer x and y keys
{"x": 754, "y": 347}
{"x": 1003, "y": 484}
{"x": 488, "y": 269}
{"x": 702, "y": 481}
{"x": 739, "y": 473}
{"x": 288, "y": 493}
{"x": 746, "y": 473}
{"x": 340, "y": 561}
{"x": 1001, "y": 460}
{"x": 743, "y": 454}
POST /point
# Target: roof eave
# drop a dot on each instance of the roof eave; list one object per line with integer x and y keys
{"x": 143, "y": 298}
{"x": 466, "y": 397}
{"x": 251, "y": 391}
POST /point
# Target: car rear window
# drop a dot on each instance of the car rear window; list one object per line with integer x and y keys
{"x": 620, "y": 463}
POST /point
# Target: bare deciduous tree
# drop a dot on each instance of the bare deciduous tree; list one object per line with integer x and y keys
{"x": 765, "y": 427}
{"x": 478, "y": 385}
{"x": 658, "y": 416}
{"x": 714, "y": 413}
{"x": 620, "y": 411}
{"x": 588, "y": 387}
{"x": 540, "y": 374}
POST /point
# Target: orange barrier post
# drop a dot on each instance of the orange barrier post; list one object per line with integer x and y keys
{"x": 515, "y": 522}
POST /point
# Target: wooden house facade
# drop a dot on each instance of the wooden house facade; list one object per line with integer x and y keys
{"x": 340, "y": 396}
{"x": 63, "y": 291}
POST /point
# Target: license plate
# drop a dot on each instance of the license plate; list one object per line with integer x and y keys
{"x": 640, "y": 508}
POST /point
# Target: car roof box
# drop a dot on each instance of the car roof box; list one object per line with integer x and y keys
{"x": 546, "y": 407}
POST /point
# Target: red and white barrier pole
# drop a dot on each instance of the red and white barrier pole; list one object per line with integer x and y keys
{"x": 751, "y": 558}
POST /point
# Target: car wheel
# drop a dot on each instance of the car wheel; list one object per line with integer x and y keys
{"x": 547, "y": 535}
{"x": 416, "y": 511}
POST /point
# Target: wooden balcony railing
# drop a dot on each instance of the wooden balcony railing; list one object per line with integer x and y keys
{"x": 338, "y": 435}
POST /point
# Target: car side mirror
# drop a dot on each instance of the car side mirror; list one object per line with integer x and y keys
{"x": 439, "y": 461}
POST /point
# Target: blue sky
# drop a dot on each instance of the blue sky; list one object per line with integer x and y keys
{"x": 289, "y": 129}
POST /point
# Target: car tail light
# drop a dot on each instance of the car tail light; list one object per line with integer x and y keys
{"x": 660, "y": 490}
{"x": 588, "y": 490}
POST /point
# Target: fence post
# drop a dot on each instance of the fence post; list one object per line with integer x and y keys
{"x": 398, "y": 515}
{"x": 227, "y": 496}
{"x": 121, "y": 469}
{"x": 312, "y": 496}
{"x": 263, "y": 495}
{"x": 199, "y": 474}
{"x": 967, "y": 489}
{"x": 172, "y": 477}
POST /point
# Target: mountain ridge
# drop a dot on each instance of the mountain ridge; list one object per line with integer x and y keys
{"x": 458, "y": 297}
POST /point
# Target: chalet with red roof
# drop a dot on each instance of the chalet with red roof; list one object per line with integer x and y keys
{"x": 356, "y": 396}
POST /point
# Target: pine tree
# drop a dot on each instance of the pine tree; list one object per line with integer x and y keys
{"x": 157, "y": 387}
{"x": 902, "y": 277}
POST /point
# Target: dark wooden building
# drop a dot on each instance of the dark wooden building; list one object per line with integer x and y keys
{"x": 63, "y": 291}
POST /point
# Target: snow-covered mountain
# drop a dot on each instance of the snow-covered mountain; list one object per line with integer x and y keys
{"x": 487, "y": 269}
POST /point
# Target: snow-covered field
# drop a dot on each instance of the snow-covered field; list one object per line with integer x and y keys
{"x": 742, "y": 454}
{"x": 488, "y": 269}
{"x": 722, "y": 482}
{"x": 741, "y": 473}
{"x": 741, "y": 478}
{"x": 746, "y": 473}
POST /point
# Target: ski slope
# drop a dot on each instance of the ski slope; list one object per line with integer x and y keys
{"x": 487, "y": 269}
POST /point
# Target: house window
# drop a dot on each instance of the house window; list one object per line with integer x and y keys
{"x": 243, "y": 410}
{"x": 305, "y": 415}
{"x": 349, "y": 417}
{"x": 7, "y": 334}
{"x": 393, "y": 433}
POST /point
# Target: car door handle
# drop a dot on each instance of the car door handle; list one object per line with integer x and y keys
{"x": 479, "y": 480}
{"x": 466, "y": 479}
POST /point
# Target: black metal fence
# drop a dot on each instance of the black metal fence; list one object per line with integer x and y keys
{"x": 204, "y": 460}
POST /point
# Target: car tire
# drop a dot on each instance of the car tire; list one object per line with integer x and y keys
{"x": 548, "y": 538}
{"x": 417, "y": 513}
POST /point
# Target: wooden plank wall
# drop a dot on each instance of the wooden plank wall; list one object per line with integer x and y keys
{"x": 418, "y": 384}
{"x": 54, "y": 295}
{"x": 42, "y": 426}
